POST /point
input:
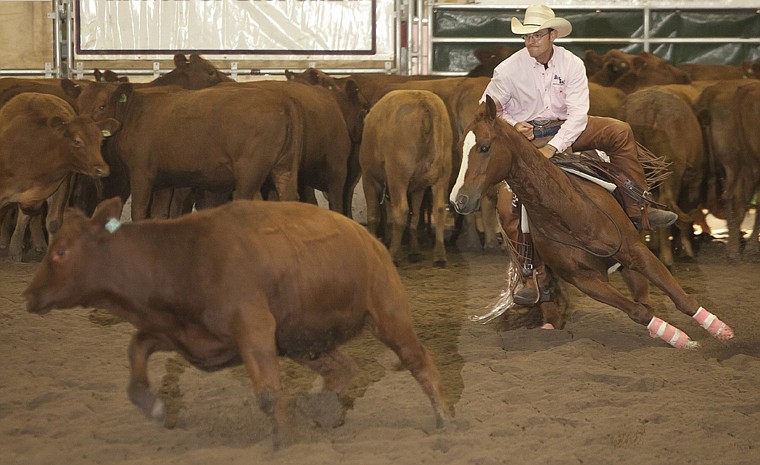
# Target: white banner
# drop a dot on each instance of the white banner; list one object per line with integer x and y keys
{"x": 242, "y": 29}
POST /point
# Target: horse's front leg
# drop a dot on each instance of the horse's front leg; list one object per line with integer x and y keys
{"x": 647, "y": 264}
{"x": 141, "y": 347}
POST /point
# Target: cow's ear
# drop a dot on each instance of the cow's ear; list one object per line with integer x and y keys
{"x": 98, "y": 75}
{"x": 638, "y": 61}
{"x": 122, "y": 93}
{"x": 107, "y": 214}
{"x": 71, "y": 88}
{"x": 290, "y": 75}
{"x": 58, "y": 124}
{"x": 352, "y": 89}
{"x": 109, "y": 126}
{"x": 312, "y": 76}
{"x": 179, "y": 60}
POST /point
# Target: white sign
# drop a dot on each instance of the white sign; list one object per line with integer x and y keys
{"x": 274, "y": 29}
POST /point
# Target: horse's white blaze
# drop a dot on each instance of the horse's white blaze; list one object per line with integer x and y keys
{"x": 469, "y": 141}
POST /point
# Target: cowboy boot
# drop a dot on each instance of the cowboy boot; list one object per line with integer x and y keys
{"x": 528, "y": 295}
{"x": 616, "y": 139}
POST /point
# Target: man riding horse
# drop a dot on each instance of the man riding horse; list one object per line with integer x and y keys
{"x": 542, "y": 90}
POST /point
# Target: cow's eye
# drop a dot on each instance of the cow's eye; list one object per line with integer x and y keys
{"x": 77, "y": 142}
{"x": 484, "y": 148}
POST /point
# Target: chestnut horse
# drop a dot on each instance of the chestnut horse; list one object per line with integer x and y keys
{"x": 578, "y": 227}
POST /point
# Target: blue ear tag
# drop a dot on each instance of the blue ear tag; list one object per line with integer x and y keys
{"x": 112, "y": 225}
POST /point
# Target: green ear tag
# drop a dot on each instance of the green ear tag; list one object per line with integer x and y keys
{"x": 123, "y": 98}
{"x": 106, "y": 133}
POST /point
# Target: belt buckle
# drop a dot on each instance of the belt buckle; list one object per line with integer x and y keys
{"x": 540, "y": 123}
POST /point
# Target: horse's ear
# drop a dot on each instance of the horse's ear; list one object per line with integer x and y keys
{"x": 490, "y": 107}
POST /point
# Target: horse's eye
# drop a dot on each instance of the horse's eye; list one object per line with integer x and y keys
{"x": 484, "y": 148}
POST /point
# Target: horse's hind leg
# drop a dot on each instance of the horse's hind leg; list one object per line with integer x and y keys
{"x": 639, "y": 312}
{"x": 638, "y": 284}
{"x": 390, "y": 321}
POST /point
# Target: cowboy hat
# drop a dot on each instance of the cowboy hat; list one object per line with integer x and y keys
{"x": 539, "y": 17}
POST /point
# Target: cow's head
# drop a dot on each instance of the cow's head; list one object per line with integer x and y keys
{"x": 193, "y": 73}
{"x": 71, "y": 259}
{"x": 82, "y": 138}
{"x": 101, "y": 100}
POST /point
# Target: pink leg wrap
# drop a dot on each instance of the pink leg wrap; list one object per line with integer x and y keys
{"x": 713, "y": 325}
{"x": 670, "y": 334}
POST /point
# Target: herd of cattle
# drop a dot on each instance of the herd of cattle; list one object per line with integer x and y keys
{"x": 194, "y": 137}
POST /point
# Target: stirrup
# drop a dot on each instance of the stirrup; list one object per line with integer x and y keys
{"x": 528, "y": 296}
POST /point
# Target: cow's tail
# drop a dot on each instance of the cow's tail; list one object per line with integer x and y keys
{"x": 292, "y": 150}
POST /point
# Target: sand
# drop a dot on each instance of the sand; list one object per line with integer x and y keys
{"x": 600, "y": 391}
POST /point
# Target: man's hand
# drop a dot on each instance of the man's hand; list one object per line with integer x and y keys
{"x": 547, "y": 151}
{"x": 526, "y": 129}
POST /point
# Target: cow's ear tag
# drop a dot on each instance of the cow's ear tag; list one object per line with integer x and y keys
{"x": 123, "y": 98}
{"x": 112, "y": 225}
{"x": 106, "y": 133}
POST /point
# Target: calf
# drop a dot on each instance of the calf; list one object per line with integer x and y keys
{"x": 258, "y": 290}
{"x": 42, "y": 140}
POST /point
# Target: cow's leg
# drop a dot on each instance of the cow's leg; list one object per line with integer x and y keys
{"x": 6, "y": 217}
{"x": 285, "y": 182}
{"x": 490, "y": 218}
{"x": 440, "y": 197}
{"x": 141, "y": 346}
{"x": 753, "y": 243}
{"x": 37, "y": 234}
{"x": 413, "y": 224}
{"x": 392, "y": 324}
{"x": 336, "y": 368}
{"x": 662, "y": 237}
{"x": 735, "y": 212}
{"x": 142, "y": 192}
{"x": 336, "y": 190}
{"x": 685, "y": 235}
{"x": 399, "y": 214}
{"x": 15, "y": 249}
{"x": 372, "y": 190}
{"x": 255, "y": 335}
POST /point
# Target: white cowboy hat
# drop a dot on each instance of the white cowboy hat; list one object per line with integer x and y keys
{"x": 539, "y": 17}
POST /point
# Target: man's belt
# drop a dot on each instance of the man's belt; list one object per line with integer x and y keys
{"x": 546, "y": 127}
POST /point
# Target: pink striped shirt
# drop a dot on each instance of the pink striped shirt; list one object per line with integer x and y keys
{"x": 524, "y": 91}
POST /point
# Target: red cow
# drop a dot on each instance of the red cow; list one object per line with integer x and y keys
{"x": 258, "y": 291}
{"x": 218, "y": 139}
{"x": 42, "y": 140}
{"x": 328, "y": 144}
{"x": 663, "y": 122}
{"x": 630, "y": 72}
{"x": 726, "y": 113}
{"x": 407, "y": 149}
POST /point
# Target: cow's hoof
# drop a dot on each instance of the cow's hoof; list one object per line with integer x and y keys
{"x": 440, "y": 263}
{"x": 158, "y": 412}
{"x": 415, "y": 257}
